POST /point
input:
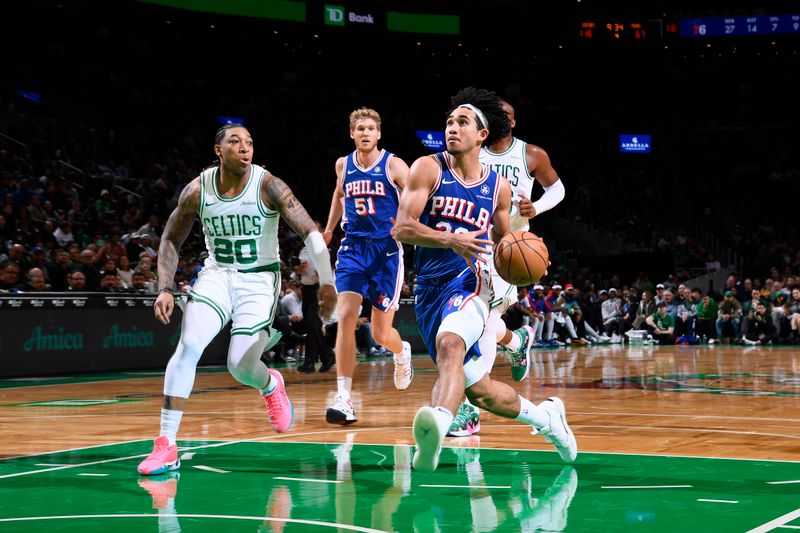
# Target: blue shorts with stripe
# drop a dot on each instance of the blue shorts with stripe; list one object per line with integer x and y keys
{"x": 434, "y": 300}
{"x": 372, "y": 268}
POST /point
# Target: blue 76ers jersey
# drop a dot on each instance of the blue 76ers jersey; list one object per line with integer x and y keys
{"x": 457, "y": 207}
{"x": 370, "y": 198}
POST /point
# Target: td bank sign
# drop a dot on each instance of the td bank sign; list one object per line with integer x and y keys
{"x": 337, "y": 15}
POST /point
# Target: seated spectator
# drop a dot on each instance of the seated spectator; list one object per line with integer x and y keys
{"x": 58, "y": 271}
{"x": 647, "y": 306}
{"x": 109, "y": 281}
{"x": 748, "y": 311}
{"x": 138, "y": 283}
{"x": 145, "y": 242}
{"x": 705, "y": 319}
{"x": 36, "y": 281}
{"x": 779, "y": 321}
{"x": 612, "y": 310}
{"x": 760, "y": 330}
{"x": 662, "y": 325}
{"x": 90, "y": 272}
{"x": 729, "y": 317}
{"x": 585, "y": 330}
{"x": 793, "y": 316}
{"x": 125, "y": 271}
{"x": 63, "y": 234}
{"x": 686, "y": 312}
{"x": 77, "y": 281}
{"x": 9, "y": 277}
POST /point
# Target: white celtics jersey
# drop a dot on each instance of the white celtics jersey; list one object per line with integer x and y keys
{"x": 240, "y": 232}
{"x": 513, "y": 165}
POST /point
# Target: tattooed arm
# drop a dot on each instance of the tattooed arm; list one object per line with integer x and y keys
{"x": 278, "y": 196}
{"x": 175, "y": 232}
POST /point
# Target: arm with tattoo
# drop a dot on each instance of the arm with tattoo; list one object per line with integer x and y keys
{"x": 175, "y": 232}
{"x": 278, "y": 196}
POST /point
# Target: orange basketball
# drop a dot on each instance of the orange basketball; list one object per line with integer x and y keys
{"x": 521, "y": 258}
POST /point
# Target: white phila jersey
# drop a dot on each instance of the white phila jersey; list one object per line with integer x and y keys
{"x": 513, "y": 165}
{"x": 240, "y": 232}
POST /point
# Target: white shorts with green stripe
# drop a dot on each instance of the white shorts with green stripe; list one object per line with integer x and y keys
{"x": 250, "y": 299}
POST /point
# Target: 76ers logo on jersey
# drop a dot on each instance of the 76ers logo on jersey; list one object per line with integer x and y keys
{"x": 455, "y": 302}
{"x": 384, "y": 300}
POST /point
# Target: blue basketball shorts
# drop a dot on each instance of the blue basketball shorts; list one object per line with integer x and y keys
{"x": 372, "y": 268}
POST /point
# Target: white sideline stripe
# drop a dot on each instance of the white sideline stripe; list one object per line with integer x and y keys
{"x": 688, "y": 429}
{"x": 310, "y": 480}
{"x": 72, "y": 449}
{"x": 182, "y": 515}
{"x": 52, "y": 464}
{"x": 783, "y": 482}
{"x": 187, "y": 456}
{"x": 92, "y": 475}
{"x": 717, "y": 501}
{"x": 778, "y": 522}
{"x": 645, "y": 486}
{"x": 785, "y": 526}
{"x": 468, "y": 486}
{"x": 200, "y": 447}
{"x": 211, "y": 469}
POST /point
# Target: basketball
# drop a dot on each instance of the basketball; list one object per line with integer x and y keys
{"x": 521, "y": 258}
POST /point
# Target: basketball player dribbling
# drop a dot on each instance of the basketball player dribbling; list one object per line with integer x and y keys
{"x": 370, "y": 260}
{"x": 238, "y": 204}
{"x": 520, "y": 163}
{"x": 446, "y": 211}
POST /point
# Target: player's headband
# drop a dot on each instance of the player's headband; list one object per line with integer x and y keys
{"x": 482, "y": 122}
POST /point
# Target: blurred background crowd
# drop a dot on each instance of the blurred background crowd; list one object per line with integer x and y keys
{"x": 106, "y": 114}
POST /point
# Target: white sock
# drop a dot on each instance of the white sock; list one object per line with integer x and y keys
{"x": 270, "y": 387}
{"x": 170, "y": 422}
{"x": 532, "y": 414}
{"x": 400, "y": 357}
{"x": 344, "y": 384}
{"x": 515, "y": 342}
{"x": 444, "y": 417}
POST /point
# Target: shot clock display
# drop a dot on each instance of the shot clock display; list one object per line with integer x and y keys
{"x": 740, "y": 25}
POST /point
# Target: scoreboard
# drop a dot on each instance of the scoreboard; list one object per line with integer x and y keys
{"x": 740, "y": 25}
{"x": 658, "y": 29}
{"x": 626, "y": 30}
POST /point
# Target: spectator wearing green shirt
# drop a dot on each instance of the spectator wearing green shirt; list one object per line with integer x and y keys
{"x": 706, "y": 317}
{"x": 662, "y": 325}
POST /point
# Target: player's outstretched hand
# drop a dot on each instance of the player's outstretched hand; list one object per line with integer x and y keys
{"x": 526, "y": 207}
{"x": 326, "y": 296}
{"x": 163, "y": 307}
{"x": 469, "y": 246}
{"x": 327, "y": 236}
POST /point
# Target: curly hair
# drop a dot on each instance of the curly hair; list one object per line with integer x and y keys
{"x": 490, "y": 105}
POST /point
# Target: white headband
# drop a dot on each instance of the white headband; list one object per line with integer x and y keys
{"x": 482, "y": 122}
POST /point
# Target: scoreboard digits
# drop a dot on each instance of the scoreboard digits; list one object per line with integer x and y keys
{"x": 741, "y": 25}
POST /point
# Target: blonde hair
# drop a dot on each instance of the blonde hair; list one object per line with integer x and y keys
{"x": 362, "y": 113}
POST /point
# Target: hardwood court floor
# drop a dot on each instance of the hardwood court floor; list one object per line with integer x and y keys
{"x": 639, "y": 415}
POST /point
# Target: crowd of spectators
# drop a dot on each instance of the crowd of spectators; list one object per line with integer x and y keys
{"x": 747, "y": 312}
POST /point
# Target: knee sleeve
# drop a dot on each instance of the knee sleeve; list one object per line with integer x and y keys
{"x": 244, "y": 359}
